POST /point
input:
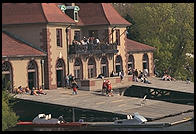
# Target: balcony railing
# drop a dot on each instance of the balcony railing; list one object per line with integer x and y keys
{"x": 93, "y": 48}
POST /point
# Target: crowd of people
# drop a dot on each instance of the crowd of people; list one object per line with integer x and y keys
{"x": 85, "y": 41}
{"x": 141, "y": 76}
{"x": 167, "y": 77}
{"x": 69, "y": 78}
{"x": 27, "y": 90}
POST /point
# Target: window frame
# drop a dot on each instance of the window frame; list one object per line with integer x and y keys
{"x": 59, "y": 37}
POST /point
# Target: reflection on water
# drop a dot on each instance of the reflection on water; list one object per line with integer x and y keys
{"x": 27, "y": 110}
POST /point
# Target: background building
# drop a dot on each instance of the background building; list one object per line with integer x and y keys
{"x": 54, "y": 28}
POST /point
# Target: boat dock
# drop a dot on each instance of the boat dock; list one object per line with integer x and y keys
{"x": 178, "y": 86}
{"x": 94, "y": 100}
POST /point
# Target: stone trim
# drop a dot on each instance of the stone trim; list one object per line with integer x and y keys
{"x": 46, "y": 39}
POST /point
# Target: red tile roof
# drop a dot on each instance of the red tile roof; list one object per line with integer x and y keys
{"x": 19, "y": 13}
{"x": 13, "y": 47}
{"x": 98, "y": 14}
{"x": 133, "y": 46}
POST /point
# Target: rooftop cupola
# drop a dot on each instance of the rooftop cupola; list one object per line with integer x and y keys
{"x": 71, "y": 10}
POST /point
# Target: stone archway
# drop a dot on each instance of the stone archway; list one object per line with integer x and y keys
{"x": 118, "y": 62}
{"x": 60, "y": 72}
{"x": 145, "y": 61}
{"x": 91, "y": 67}
{"x": 78, "y": 69}
{"x": 32, "y": 74}
{"x": 131, "y": 65}
{"x": 7, "y": 75}
{"x": 104, "y": 66}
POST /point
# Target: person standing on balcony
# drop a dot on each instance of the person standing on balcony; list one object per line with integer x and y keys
{"x": 97, "y": 41}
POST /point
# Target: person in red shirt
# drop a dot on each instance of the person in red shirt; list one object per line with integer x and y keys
{"x": 104, "y": 86}
{"x": 109, "y": 89}
{"x": 74, "y": 86}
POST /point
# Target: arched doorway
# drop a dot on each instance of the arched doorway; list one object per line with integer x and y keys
{"x": 119, "y": 66}
{"x": 78, "y": 69}
{"x": 131, "y": 64}
{"x": 60, "y": 72}
{"x": 7, "y": 75}
{"x": 145, "y": 62}
{"x": 32, "y": 74}
{"x": 104, "y": 66}
{"x": 91, "y": 67}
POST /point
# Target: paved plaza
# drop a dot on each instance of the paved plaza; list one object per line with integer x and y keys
{"x": 153, "y": 109}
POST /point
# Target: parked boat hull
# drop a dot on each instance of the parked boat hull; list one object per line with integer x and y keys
{"x": 68, "y": 124}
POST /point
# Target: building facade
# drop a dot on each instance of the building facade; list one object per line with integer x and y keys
{"x": 54, "y": 29}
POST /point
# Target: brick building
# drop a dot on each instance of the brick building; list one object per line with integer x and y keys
{"x": 38, "y": 47}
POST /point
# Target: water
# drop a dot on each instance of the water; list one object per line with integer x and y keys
{"x": 27, "y": 110}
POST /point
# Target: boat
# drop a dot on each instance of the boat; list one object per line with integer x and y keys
{"x": 136, "y": 120}
{"x": 43, "y": 120}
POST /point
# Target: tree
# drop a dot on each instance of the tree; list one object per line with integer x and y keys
{"x": 9, "y": 118}
{"x": 169, "y": 27}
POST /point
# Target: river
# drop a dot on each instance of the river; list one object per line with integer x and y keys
{"x": 32, "y": 109}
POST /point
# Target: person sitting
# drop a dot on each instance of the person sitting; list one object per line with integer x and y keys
{"x": 168, "y": 78}
{"x": 27, "y": 90}
{"x": 188, "y": 80}
{"x": 164, "y": 77}
{"x": 146, "y": 80}
{"x": 100, "y": 76}
{"x": 40, "y": 91}
{"x": 112, "y": 74}
{"x": 19, "y": 90}
{"x": 34, "y": 91}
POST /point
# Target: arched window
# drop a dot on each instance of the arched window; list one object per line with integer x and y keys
{"x": 78, "y": 69}
{"x": 131, "y": 64}
{"x": 119, "y": 66}
{"x": 91, "y": 67}
{"x": 60, "y": 72}
{"x": 145, "y": 63}
{"x": 7, "y": 77}
{"x": 104, "y": 66}
{"x": 32, "y": 74}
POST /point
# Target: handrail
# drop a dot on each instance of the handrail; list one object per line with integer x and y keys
{"x": 93, "y": 48}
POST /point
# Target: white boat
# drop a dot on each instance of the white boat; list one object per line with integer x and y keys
{"x": 42, "y": 120}
{"x": 132, "y": 121}
{"x": 45, "y": 119}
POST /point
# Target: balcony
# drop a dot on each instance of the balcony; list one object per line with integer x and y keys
{"x": 93, "y": 48}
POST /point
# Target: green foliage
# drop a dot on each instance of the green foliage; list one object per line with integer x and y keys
{"x": 169, "y": 27}
{"x": 9, "y": 118}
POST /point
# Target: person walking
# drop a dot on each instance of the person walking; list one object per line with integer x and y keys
{"x": 74, "y": 87}
{"x": 109, "y": 89}
{"x": 121, "y": 74}
{"x": 104, "y": 86}
{"x": 136, "y": 75}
